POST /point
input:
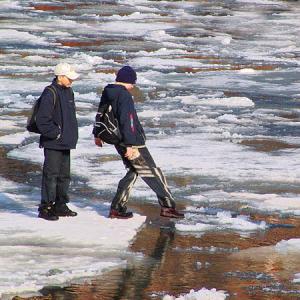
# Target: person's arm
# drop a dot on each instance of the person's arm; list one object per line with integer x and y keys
{"x": 126, "y": 118}
{"x": 44, "y": 118}
{"x": 132, "y": 153}
{"x": 98, "y": 142}
{"x": 127, "y": 124}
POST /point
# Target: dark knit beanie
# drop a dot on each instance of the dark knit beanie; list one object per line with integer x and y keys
{"x": 126, "y": 75}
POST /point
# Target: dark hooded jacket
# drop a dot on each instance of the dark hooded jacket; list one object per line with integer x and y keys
{"x": 57, "y": 123}
{"x": 123, "y": 106}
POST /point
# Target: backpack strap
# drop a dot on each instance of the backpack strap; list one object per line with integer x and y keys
{"x": 53, "y": 90}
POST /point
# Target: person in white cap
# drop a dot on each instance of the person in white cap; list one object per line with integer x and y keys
{"x": 57, "y": 122}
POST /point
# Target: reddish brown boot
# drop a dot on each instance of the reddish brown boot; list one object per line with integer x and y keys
{"x": 170, "y": 212}
{"x": 116, "y": 214}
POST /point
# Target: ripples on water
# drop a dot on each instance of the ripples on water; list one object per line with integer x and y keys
{"x": 218, "y": 93}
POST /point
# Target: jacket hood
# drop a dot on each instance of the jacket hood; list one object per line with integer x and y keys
{"x": 112, "y": 91}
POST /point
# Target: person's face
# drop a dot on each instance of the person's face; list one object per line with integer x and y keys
{"x": 64, "y": 81}
{"x": 129, "y": 86}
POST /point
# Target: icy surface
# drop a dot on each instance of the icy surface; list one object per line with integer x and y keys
{"x": 39, "y": 252}
{"x": 222, "y": 220}
{"x": 297, "y": 278}
{"x": 203, "y": 294}
{"x": 286, "y": 246}
{"x": 219, "y": 101}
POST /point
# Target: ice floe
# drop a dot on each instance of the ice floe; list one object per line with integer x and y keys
{"x": 203, "y": 294}
{"x": 201, "y": 220}
{"x": 39, "y": 253}
{"x": 286, "y": 246}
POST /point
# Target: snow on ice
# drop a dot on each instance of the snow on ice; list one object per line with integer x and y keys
{"x": 35, "y": 252}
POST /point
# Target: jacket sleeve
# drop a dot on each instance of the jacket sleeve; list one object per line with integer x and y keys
{"x": 44, "y": 118}
{"x": 127, "y": 119}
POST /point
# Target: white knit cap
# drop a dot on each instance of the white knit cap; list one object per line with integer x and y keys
{"x": 66, "y": 70}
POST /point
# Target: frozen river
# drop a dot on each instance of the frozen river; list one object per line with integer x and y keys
{"x": 218, "y": 93}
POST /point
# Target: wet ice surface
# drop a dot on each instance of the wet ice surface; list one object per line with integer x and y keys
{"x": 214, "y": 76}
{"x": 35, "y": 253}
{"x": 203, "y": 294}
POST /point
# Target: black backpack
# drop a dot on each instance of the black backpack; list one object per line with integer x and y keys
{"x": 31, "y": 120}
{"x": 106, "y": 125}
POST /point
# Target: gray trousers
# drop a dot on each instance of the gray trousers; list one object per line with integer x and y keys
{"x": 145, "y": 167}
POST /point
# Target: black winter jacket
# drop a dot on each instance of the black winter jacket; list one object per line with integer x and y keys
{"x": 123, "y": 106}
{"x": 58, "y": 124}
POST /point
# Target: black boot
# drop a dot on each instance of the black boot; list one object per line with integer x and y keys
{"x": 47, "y": 212}
{"x": 63, "y": 210}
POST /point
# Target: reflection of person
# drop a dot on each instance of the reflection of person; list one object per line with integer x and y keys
{"x": 146, "y": 276}
{"x": 134, "y": 153}
{"x": 56, "y": 120}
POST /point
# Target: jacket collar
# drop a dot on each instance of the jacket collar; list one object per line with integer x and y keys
{"x": 58, "y": 86}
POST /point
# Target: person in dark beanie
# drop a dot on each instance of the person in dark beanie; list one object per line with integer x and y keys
{"x": 57, "y": 122}
{"x": 132, "y": 149}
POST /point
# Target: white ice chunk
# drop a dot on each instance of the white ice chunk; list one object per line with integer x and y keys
{"x": 203, "y": 294}
{"x": 35, "y": 252}
{"x": 14, "y": 139}
{"x": 286, "y": 246}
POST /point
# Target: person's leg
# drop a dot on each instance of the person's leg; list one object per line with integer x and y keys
{"x": 63, "y": 179}
{"x": 51, "y": 167}
{"x": 119, "y": 203}
{"x": 120, "y": 200}
{"x": 154, "y": 178}
{"x": 62, "y": 187}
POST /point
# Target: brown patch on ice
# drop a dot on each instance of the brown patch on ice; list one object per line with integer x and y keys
{"x": 160, "y": 124}
{"x": 268, "y": 145}
{"x": 225, "y": 68}
{"x": 15, "y": 170}
{"x": 289, "y": 115}
{"x": 228, "y": 63}
{"x": 19, "y": 113}
{"x": 18, "y": 75}
{"x": 76, "y": 43}
{"x": 106, "y": 71}
{"x": 24, "y": 54}
{"x": 34, "y": 298}
{"x": 263, "y": 68}
{"x": 223, "y": 65}
{"x": 231, "y": 94}
{"x": 45, "y": 7}
{"x": 202, "y": 57}
{"x": 105, "y": 158}
{"x": 182, "y": 180}
{"x": 276, "y": 219}
{"x": 119, "y": 59}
